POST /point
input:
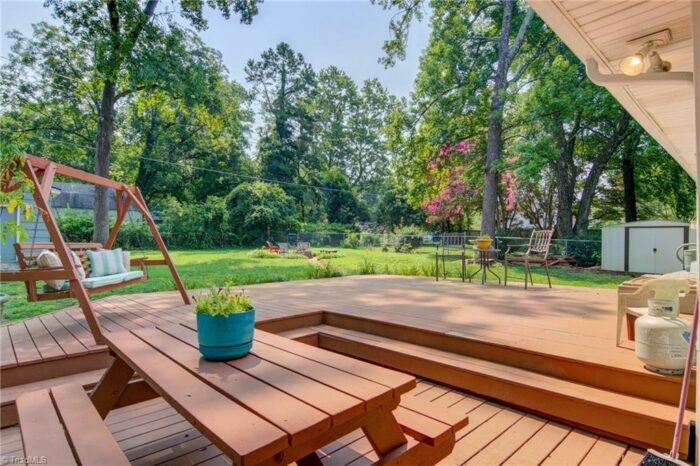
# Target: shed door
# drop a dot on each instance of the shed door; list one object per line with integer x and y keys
{"x": 653, "y": 250}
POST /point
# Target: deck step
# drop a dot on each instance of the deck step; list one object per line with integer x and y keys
{"x": 631, "y": 379}
{"x": 639, "y": 421}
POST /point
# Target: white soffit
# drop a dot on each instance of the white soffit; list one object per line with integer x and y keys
{"x": 601, "y": 30}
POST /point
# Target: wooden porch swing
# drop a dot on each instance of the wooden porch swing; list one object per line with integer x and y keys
{"x": 41, "y": 173}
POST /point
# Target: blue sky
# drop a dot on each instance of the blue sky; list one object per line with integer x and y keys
{"x": 348, "y": 34}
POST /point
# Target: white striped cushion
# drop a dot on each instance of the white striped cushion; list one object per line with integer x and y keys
{"x": 126, "y": 260}
{"x": 106, "y": 262}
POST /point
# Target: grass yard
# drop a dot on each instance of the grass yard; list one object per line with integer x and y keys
{"x": 201, "y": 269}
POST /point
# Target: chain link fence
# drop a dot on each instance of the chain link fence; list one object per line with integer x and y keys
{"x": 585, "y": 252}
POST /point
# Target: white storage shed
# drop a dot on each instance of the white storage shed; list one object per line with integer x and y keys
{"x": 644, "y": 247}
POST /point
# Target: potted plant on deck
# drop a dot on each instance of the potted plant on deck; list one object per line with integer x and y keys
{"x": 225, "y": 324}
{"x": 483, "y": 242}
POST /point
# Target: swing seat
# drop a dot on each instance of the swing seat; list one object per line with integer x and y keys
{"x": 26, "y": 258}
{"x": 97, "y": 282}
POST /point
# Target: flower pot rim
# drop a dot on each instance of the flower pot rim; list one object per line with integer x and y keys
{"x": 252, "y": 309}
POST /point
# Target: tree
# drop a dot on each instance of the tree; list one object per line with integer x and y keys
{"x": 259, "y": 211}
{"x": 342, "y": 205}
{"x": 175, "y": 139}
{"x": 286, "y": 85}
{"x": 496, "y": 42}
{"x": 577, "y": 129}
{"x": 451, "y": 199}
{"x": 132, "y": 53}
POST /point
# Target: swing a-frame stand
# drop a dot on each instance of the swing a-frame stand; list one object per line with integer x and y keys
{"x": 41, "y": 172}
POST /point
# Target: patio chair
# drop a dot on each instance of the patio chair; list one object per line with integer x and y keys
{"x": 272, "y": 247}
{"x": 284, "y": 248}
{"x": 304, "y": 248}
{"x": 536, "y": 252}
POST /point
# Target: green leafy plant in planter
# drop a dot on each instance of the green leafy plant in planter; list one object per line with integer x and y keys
{"x": 483, "y": 242}
{"x": 225, "y": 324}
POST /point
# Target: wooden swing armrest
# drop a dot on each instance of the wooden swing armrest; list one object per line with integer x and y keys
{"x": 34, "y": 275}
{"x": 146, "y": 261}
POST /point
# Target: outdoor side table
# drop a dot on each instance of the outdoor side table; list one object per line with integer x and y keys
{"x": 486, "y": 258}
{"x": 277, "y": 405}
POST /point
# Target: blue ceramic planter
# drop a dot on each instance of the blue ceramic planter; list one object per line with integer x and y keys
{"x": 225, "y": 337}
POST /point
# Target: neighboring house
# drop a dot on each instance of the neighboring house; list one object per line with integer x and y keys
{"x": 73, "y": 197}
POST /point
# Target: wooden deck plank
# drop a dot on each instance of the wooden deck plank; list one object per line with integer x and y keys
{"x": 605, "y": 452}
{"x": 509, "y": 442}
{"x": 70, "y": 345}
{"x": 632, "y": 457}
{"x": 78, "y": 331}
{"x": 572, "y": 449}
{"x": 250, "y": 437}
{"x": 25, "y": 350}
{"x": 479, "y": 438}
{"x": 299, "y": 420}
{"x": 539, "y": 446}
{"x": 339, "y": 406}
{"x": 7, "y": 354}
{"x": 45, "y": 343}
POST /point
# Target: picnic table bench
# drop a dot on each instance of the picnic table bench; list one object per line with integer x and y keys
{"x": 277, "y": 405}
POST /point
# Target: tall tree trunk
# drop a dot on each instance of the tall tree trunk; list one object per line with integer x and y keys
{"x": 599, "y": 165}
{"x": 495, "y": 126}
{"x": 629, "y": 188}
{"x": 103, "y": 149}
{"x": 566, "y": 185}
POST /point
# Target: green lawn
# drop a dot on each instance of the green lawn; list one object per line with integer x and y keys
{"x": 234, "y": 266}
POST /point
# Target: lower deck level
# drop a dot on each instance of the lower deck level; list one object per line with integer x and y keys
{"x": 153, "y": 433}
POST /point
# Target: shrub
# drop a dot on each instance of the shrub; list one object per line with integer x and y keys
{"x": 78, "y": 227}
{"x": 351, "y": 241}
{"x": 320, "y": 269}
{"x": 585, "y": 249}
{"x": 135, "y": 235}
{"x": 258, "y": 211}
{"x": 411, "y": 236}
{"x": 197, "y": 225}
{"x": 368, "y": 240}
{"x": 75, "y": 226}
{"x": 263, "y": 253}
{"x": 367, "y": 266}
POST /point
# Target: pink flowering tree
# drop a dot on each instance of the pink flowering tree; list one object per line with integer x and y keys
{"x": 446, "y": 205}
{"x": 508, "y": 195}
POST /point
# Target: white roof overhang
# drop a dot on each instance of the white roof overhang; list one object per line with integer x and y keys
{"x": 601, "y": 30}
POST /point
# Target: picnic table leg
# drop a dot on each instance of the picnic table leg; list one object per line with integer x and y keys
{"x": 384, "y": 434}
{"x": 111, "y": 386}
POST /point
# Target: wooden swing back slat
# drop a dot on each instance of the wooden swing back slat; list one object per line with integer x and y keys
{"x": 41, "y": 173}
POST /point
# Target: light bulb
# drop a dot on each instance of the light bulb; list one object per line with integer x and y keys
{"x": 632, "y": 65}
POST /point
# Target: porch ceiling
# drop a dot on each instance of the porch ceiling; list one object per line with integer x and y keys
{"x": 601, "y": 29}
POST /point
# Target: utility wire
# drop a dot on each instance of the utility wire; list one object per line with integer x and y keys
{"x": 165, "y": 162}
{"x": 201, "y": 169}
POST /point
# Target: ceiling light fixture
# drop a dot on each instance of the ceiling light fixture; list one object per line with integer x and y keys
{"x": 635, "y": 64}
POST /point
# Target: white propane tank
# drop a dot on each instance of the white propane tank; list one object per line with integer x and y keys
{"x": 661, "y": 338}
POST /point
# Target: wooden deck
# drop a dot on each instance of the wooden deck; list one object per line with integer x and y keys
{"x": 569, "y": 322}
{"x": 152, "y": 433}
{"x": 551, "y": 353}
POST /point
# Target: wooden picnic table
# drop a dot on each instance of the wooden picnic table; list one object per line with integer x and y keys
{"x": 277, "y": 405}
